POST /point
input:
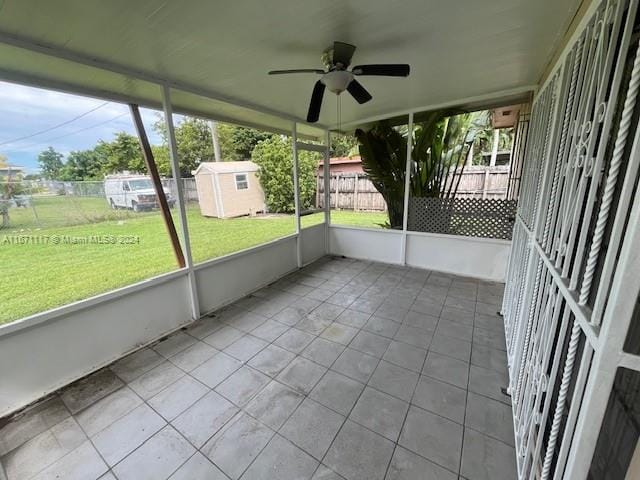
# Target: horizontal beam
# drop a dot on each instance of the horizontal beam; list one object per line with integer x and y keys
{"x": 488, "y": 97}
{"x": 580, "y": 313}
{"x": 311, "y": 147}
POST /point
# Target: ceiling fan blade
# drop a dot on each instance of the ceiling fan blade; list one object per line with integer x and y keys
{"x": 358, "y": 92}
{"x": 316, "y": 102}
{"x": 299, "y": 70}
{"x": 384, "y": 70}
{"x": 342, "y": 53}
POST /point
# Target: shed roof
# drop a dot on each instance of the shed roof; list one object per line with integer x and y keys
{"x": 226, "y": 167}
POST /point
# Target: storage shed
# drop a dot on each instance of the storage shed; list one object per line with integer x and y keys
{"x": 229, "y": 189}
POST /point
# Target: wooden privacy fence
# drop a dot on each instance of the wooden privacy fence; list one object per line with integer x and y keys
{"x": 480, "y": 181}
{"x": 350, "y": 191}
{"x": 354, "y": 191}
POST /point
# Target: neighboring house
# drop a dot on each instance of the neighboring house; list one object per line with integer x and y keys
{"x": 10, "y": 176}
{"x": 229, "y": 189}
{"x": 12, "y": 172}
{"x": 342, "y": 165}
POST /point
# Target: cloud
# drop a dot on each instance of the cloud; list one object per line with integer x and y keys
{"x": 26, "y": 110}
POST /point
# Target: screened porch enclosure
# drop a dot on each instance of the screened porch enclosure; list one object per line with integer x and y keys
{"x": 477, "y": 339}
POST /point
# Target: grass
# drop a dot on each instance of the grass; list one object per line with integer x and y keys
{"x": 37, "y": 277}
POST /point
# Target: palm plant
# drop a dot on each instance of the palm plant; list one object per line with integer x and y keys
{"x": 440, "y": 142}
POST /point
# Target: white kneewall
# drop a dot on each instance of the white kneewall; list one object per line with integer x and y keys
{"x": 45, "y": 352}
{"x": 37, "y": 357}
{"x": 313, "y": 243}
{"x": 483, "y": 258}
{"x": 229, "y": 278}
{"x": 377, "y": 245}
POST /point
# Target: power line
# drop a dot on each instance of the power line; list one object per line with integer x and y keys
{"x": 55, "y": 126}
{"x": 83, "y": 129}
{"x": 75, "y": 132}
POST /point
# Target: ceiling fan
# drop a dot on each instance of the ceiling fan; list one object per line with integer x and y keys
{"x": 337, "y": 78}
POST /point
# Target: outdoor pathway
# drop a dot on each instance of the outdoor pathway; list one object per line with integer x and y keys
{"x": 344, "y": 370}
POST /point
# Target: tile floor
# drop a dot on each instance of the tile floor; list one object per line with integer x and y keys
{"x": 345, "y": 370}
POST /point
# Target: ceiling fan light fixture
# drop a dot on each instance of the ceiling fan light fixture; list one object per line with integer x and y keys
{"x": 337, "y": 78}
{"x": 337, "y": 81}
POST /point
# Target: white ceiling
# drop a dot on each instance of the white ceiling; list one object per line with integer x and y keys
{"x": 457, "y": 49}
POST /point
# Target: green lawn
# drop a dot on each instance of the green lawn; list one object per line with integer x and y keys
{"x": 43, "y": 276}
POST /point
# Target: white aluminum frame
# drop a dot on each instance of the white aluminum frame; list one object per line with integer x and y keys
{"x": 407, "y": 184}
{"x": 325, "y": 151}
{"x": 182, "y": 209}
{"x": 565, "y": 345}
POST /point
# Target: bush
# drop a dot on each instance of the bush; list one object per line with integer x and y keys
{"x": 274, "y": 156}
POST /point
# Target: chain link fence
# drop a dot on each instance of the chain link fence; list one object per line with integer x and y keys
{"x": 36, "y": 204}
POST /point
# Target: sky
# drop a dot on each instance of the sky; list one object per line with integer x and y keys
{"x": 26, "y": 110}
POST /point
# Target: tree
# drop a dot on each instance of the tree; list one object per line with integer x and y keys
{"x": 161, "y": 156}
{"x": 275, "y": 158}
{"x": 50, "y": 164}
{"x": 195, "y": 145}
{"x": 83, "y": 165}
{"x": 439, "y": 144}
{"x": 244, "y": 140}
{"x": 343, "y": 145}
{"x": 123, "y": 153}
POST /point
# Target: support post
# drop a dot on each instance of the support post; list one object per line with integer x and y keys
{"x": 407, "y": 183}
{"x": 296, "y": 193}
{"x": 181, "y": 202}
{"x": 355, "y": 192}
{"x": 485, "y": 184}
{"x": 157, "y": 184}
{"x": 327, "y": 192}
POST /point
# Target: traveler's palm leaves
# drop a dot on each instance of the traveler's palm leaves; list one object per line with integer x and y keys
{"x": 440, "y": 142}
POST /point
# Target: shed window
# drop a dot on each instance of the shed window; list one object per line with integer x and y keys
{"x": 242, "y": 182}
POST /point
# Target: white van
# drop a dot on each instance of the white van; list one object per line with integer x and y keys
{"x": 132, "y": 191}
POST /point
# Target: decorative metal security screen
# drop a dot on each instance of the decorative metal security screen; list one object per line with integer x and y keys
{"x": 579, "y": 179}
{"x": 472, "y": 217}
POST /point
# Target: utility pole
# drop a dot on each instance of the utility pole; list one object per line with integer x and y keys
{"x": 494, "y": 150}
{"x": 216, "y": 141}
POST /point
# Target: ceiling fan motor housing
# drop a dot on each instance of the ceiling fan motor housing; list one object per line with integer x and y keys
{"x": 337, "y": 81}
